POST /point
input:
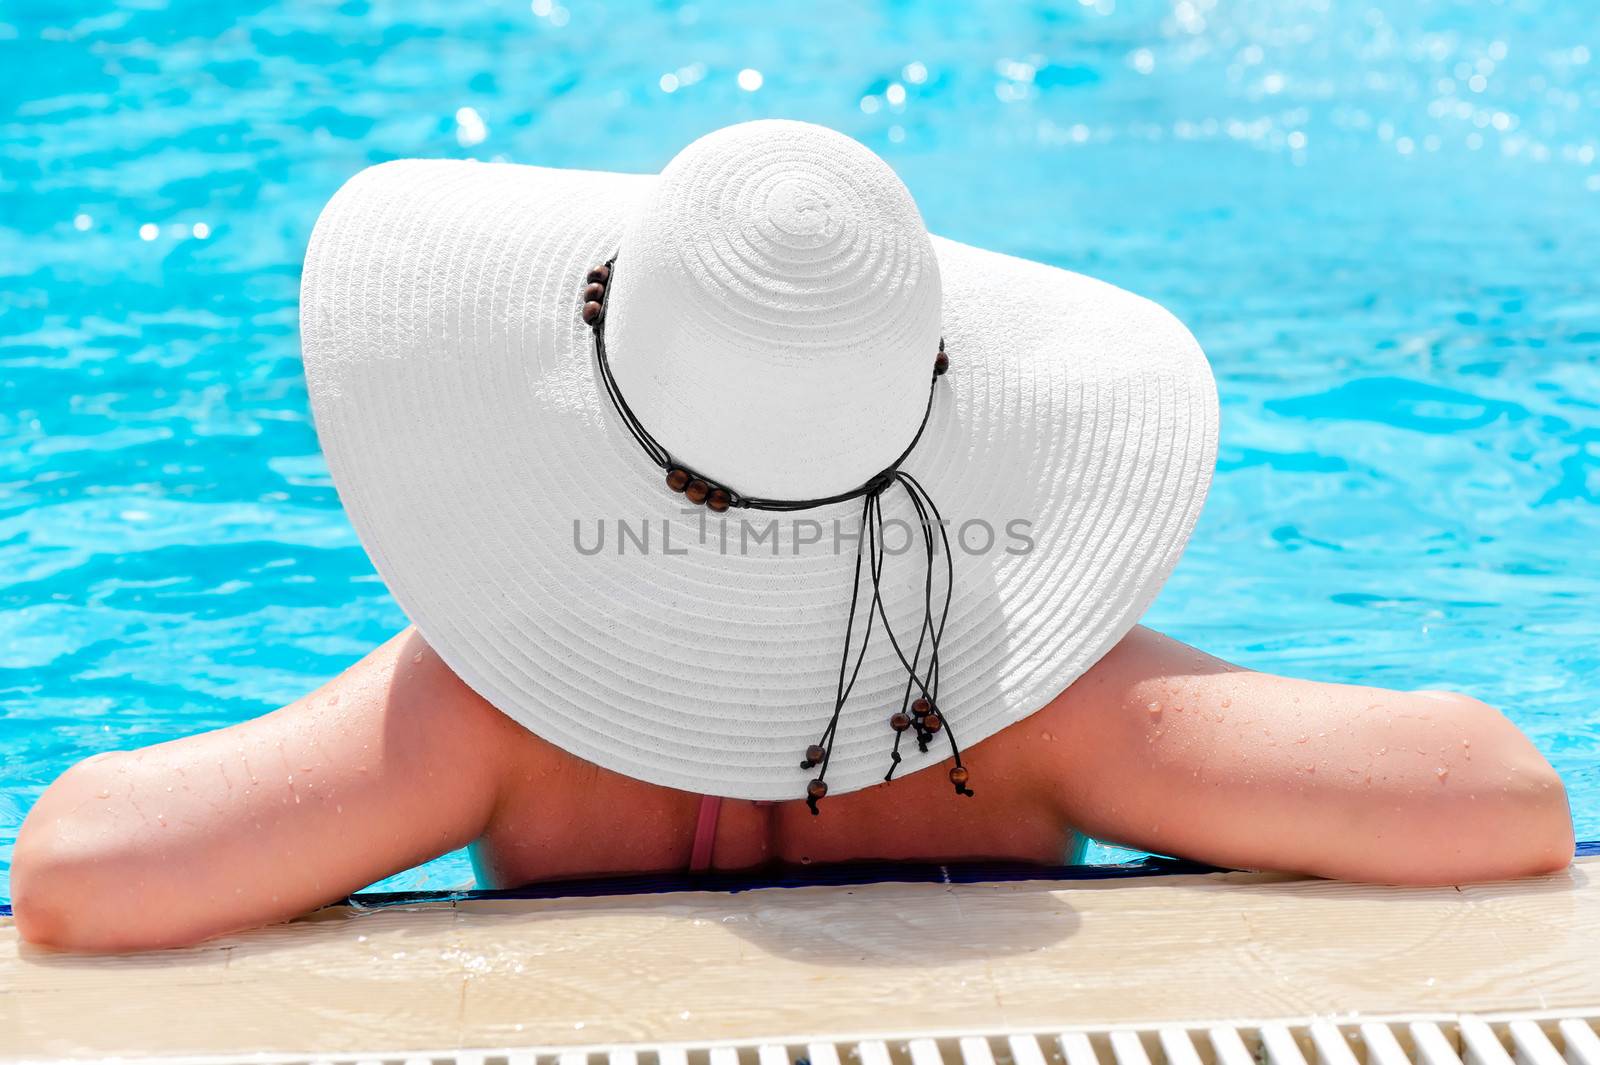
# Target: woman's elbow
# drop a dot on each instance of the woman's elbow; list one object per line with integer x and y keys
{"x": 44, "y": 903}
{"x": 72, "y": 875}
{"x": 80, "y": 900}
{"x": 1505, "y": 806}
{"x": 1546, "y": 840}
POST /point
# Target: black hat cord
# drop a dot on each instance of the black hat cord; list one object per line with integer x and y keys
{"x": 919, "y": 711}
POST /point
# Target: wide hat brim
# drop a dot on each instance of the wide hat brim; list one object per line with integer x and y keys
{"x": 455, "y": 393}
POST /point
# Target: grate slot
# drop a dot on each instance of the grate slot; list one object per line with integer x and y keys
{"x": 1025, "y": 1050}
{"x": 1177, "y": 1048}
{"x": 1531, "y": 1045}
{"x": 1331, "y": 1045}
{"x": 1433, "y": 1048}
{"x": 1229, "y": 1047}
{"x": 1128, "y": 1049}
{"x": 1278, "y": 1046}
{"x": 1583, "y": 1046}
{"x": 1076, "y": 1049}
{"x": 1479, "y": 1044}
{"x": 975, "y": 1050}
{"x": 873, "y": 1052}
{"x": 1382, "y": 1046}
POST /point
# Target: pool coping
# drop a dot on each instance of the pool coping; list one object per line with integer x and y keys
{"x": 699, "y": 966}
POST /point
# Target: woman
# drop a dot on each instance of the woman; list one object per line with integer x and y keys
{"x": 882, "y": 570}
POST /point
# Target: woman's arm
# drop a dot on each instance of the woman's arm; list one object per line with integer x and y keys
{"x": 1170, "y": 750}
{"x": 390, "y": 764}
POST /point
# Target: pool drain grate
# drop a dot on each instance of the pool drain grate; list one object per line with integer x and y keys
{"x": 1499, "y": 1039}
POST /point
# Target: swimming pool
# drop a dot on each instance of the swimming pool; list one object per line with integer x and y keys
{"x": 1381, "y": 220}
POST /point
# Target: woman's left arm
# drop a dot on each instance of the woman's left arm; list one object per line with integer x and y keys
{"x": 1167, "y": 749}
{"x": 392, "y": 763}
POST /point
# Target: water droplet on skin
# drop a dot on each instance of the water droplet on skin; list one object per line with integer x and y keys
{"x": 1303, "y": 739}
{"x": 1227, "y": 703}
{"x": 1154, "y": 709}
{"x": 1383, "y": 750}
{"x": 1049, "y": 737}
{"x": 1311, "y": 769}
{"x": 103, "y": 795}
{"x": 417, "y": 657}
{"x": 1441, "y": 773}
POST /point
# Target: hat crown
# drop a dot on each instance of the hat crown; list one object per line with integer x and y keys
{"x": 775, "y": 310}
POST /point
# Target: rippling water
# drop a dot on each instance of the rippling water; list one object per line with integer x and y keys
{"x": 1381, "y": 220}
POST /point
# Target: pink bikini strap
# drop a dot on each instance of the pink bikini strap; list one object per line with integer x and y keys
{"x": 705, "y": 833}
{"x": 705, "y": 830}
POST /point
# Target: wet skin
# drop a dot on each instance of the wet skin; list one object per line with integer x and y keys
{"x": 1159, "y": 747}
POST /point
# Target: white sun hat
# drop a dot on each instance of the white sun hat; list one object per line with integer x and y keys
{"x": 772, "y": 323}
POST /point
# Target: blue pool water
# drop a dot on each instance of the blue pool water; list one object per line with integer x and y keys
{"x": 1381, "y": 219}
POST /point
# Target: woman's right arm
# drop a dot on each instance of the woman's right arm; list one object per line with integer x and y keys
{"x": 390, "y": 764}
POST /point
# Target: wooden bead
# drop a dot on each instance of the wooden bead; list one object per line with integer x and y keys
{"x": 933, "y": 723}
{"x": 719, "y": 500}
{"x": 817, "y": 788}
{"x": 600, "y": 274}
{"x": 921, "y": 707}
{"x": 900, "y": 721}
{"x": 941, "y": 363}
{"x": 958, "y": 776}
{"x": 593, "y": 293}
{"x": 814, "y": 756}
{"x": 697, "y": 490}
{"x": 591, "y": 311}
{"x": 677, "y": 479}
